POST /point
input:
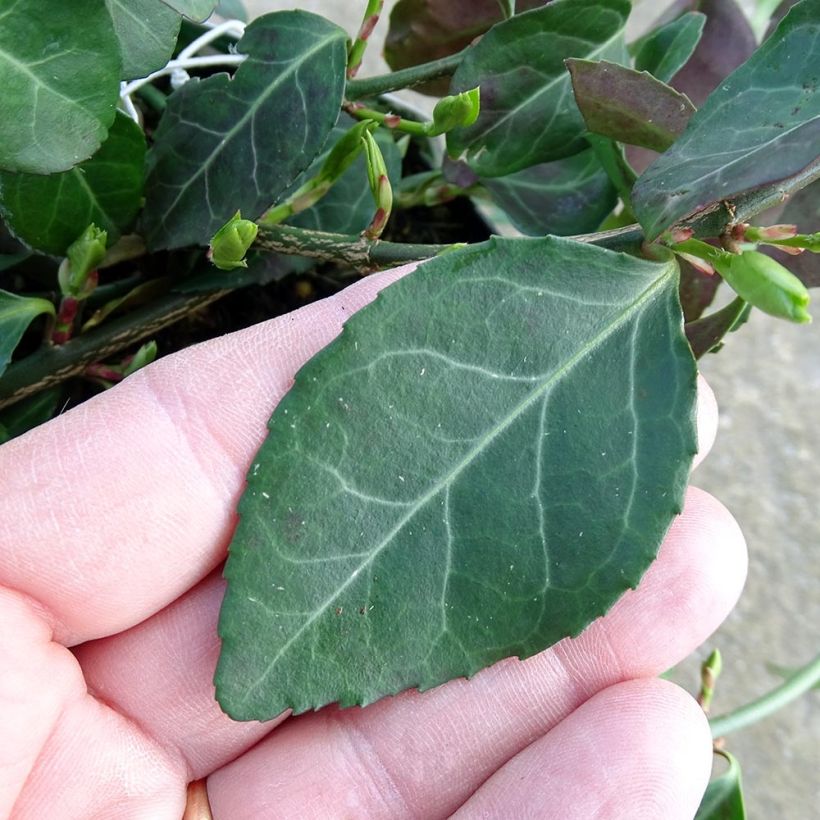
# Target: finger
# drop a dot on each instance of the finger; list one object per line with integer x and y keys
{"x": 62, "y": 753}
{"x": 640, "y": 749}
{"x": 684, "y": 596}
{"x": 116, "y": 508}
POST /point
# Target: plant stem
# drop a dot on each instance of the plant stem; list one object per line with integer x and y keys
{"x": 405, "y": 77}
{"x": 153, "y": 96}
{"x": 391, "y": 121}
{"x": 360, "y": 253}
{"x": 801, "y": 681}
{"x": 53, "y": 364}
{"x": 614, "y": 162}
{"x": 357, "y": 48}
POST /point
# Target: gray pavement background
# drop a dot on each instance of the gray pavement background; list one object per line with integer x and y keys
{"x": 765, "y": 468}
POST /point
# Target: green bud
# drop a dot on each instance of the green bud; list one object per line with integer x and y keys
{"x": 231, "y": 242}
{"x": 145, "y": 355}
{"x": 83, "y": 256}
{"x": 457, "y": 111}
{"x": 766, "y": 284}
{"x": 346, "y": 150}
{"x": 379, "y": 186}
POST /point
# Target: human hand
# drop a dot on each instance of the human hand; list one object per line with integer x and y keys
{"x": 115, "y": 519}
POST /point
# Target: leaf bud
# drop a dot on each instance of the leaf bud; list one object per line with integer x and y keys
{"x": 346, "y": 150}
{"x": 766, "y": 284}
{"x": 457, "y": 111}
{"x": 231, "y": 242}
{"x": 83, "y": 257}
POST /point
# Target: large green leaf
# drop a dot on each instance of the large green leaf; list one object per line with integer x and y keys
{"x": 627, "y": 105}
{"x": 760, "y": 128}
{"x": 147, "y": 33}
{"x": 192, "y": 9}
{"x": 59, "y": 75}
{"x": 226, "y": 144}
{"x": 16, "y": 314}
{"x": 666, "y": 50}
{"x": 527, "y": 112}
{"x": 423, "y": 30}
{"x": 565, "y": 197}
{"x": 348, "y": 206}
{"x": 50, "y": 212}
{"x": 481, "y": 464}
{"x": 724, "y": 795}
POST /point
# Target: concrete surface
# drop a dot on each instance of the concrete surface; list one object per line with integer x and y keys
{"x": 765, "y": 468}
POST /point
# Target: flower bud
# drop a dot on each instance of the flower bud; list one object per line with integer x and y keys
{"x": 379, "y": 186}
{"x": 457, "y": 111}
{"x": 766, "y": 284}
{"x": 231, "y": 242}
{"x": 346, "y": 150}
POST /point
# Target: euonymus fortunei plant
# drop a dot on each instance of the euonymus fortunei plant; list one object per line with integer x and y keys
{"x": 491, "y": 453}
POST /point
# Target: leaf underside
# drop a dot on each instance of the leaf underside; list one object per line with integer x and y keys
{"x": 481, "y": 464}
{"x": 760, "y": 128}
{"x": 235, "y": 144}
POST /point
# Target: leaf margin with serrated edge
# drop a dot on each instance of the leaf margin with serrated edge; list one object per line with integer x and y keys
{"x": 235, "y": 624}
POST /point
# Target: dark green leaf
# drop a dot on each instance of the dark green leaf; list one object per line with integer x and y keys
{"x": 59, "y": 74}
{"x": 627, "y": 105}
{"x": 666, "y": 50}
{"x": 727, "y": 42}
{"x": 565, "y": 197}
{"x": 9, "y": 260}
{"x": 527, "y": 112}
{"x": 192, "y": 9}
{"x": 348, "y": 206}
{"x": 423, "y": 30}
{"x": 235, "y": 144}
{"x": 760, "y": 128}
{"x": 481, "y": 464}
{"x": 263, "y": 267}
{"x": 50, "y": 212}
{"x": 147, "y": 33}
{"x": 28, "y": 413}
{"x": 16, "y": 314}
{"x": 706, "y": 334}
{"x": 724, "y": 795}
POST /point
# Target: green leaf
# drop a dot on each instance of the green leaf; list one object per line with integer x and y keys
{"x": 628, "y": 106}
{"x": 59, "y": 71}
{"x": 527, "y": 112}
{"x": 724, "y": 795}
{"x": 759, "y": 129}
{"x": 565, "y": 197}
{"x": 706, "y": 334}
{"x": 196, "y": 10}
{"x": 147, "y": 33}
{"x": 481, "y": 464}
{"x": 235, "y": 144}
{"x": 666, "y": 50}
{"x": 348, "y": 206}
{"x": 423, "y": 30}
{"x": 29, "y": 412}
{"x": 16, "y": 314}
{"x": 50, "y": 212}
{"x": 232, "y": 10}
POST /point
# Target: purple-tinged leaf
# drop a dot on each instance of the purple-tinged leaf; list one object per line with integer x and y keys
{"x": 627, "y": 105}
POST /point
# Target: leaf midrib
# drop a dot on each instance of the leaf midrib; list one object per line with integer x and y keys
{"x": 447, "y": 480}
{"x": 251, "y": 112}
{"x": 558, "y": 78}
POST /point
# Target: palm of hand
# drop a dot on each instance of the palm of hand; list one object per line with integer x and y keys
{"x": 116, "y": 519}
